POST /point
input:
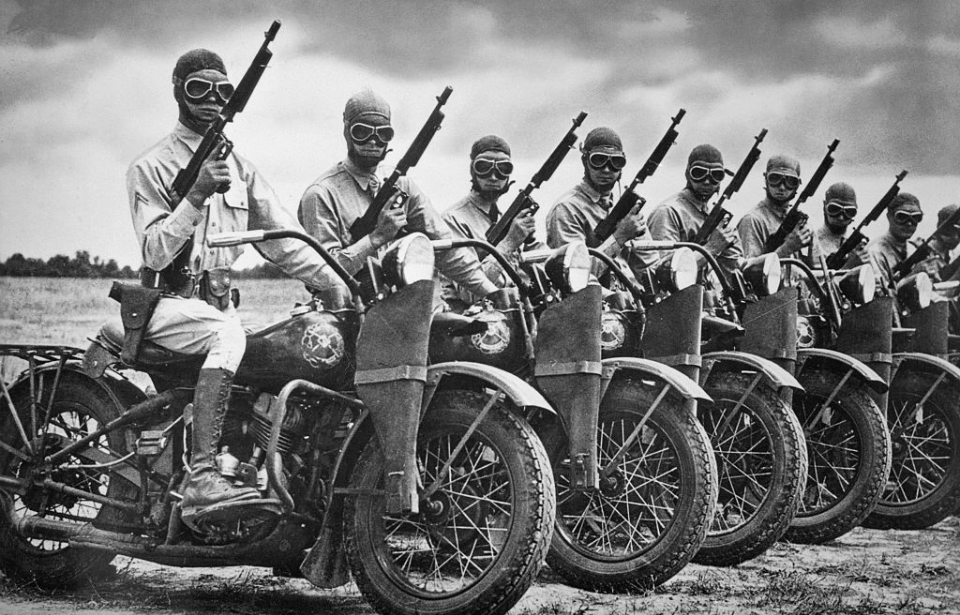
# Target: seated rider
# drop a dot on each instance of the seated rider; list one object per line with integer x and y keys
{"x": 172, "y": 229}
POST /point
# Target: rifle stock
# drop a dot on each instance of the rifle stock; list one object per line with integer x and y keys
{"x": 522, "y": 202}
{"x": 794, "y": 217}
{"x": 214, "y": 142}
{"x": 718, "y": 213}
{"x": 839, "y": 258}
{"x": 388, "y": 191}
{"x": 629, "y": 198}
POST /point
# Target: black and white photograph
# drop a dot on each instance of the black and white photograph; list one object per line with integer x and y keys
{"x": 526, "y": 307}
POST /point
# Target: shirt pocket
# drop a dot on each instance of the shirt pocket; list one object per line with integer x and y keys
{"x": 236, "y": 209}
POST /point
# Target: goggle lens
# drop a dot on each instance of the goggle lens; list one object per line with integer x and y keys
{"x": 904, "y": 217}
{"x": 361, "y": 133}
{"x": 699, "y": 174}
{"x": 599, "y": 160}
{"x": 484, "y": 167}
{"x": 197, "y": 89}
{"x": 847, "y": 211}
{"x": 791, "y": 182}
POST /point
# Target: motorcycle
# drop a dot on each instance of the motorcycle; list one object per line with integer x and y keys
{"x": 922, "y": 414}
{"x": 636, "y": 482}
{"x": 757, "y": 441}
{"x": 843, "y": 361}
{"x": 422, "y": 481}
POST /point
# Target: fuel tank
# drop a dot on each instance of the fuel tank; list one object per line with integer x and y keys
{"x": 317, "y": 346}
{"x": 500, "y": 343}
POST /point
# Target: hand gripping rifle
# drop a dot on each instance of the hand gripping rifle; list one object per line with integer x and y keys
{"x": 718, "y": 214}
{"x": 214, "y": 142}
{"x": 388, "y": 191}
{"x": 838, "y": 258}
{"x": 523, "y": 202}
{"x": 923, "y": 250}
{"x": 629, "y": 198}
{"x": 794, "y": 216}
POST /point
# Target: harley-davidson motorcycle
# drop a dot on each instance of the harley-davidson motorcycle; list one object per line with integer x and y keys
{"x": 635, "y": 473}
{"x": 757, "y": 441}
{"x": 424, "y": 481}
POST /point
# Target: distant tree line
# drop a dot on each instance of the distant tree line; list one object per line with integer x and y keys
{"x": 82, "y": 266}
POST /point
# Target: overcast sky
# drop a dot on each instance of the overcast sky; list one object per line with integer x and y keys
{"x": 85, "y": 87}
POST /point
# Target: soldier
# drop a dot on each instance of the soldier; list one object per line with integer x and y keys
{"x": 680, "y": 217}
{"x": 941, "y": 245}
{"x": 199, "y": 319}
{"x": 473, "y": 215}
{"x": 342, "y": 194}
{"x": 891, "y": 248}
{"x": 839, "y": 210}
{"x": 576, "y": 214}
{"x": 781, "y": 181}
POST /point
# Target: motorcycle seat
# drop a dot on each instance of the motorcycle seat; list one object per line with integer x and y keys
{"x": 151, "y": 354}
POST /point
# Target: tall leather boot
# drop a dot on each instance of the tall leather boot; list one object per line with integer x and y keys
{"x": 206, "y": 486}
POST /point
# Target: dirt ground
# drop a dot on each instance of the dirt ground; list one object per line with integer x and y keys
{"x": 864, "y": 572}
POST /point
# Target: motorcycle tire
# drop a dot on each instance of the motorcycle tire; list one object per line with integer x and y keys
{"x": 848, "y": 447}
{"x": 924, "y": 484}
{"x": 80, "y": 407}
{"x": 761, "y": 464}
{"x": 651, "y": 513}
{"x": 479, "y": 541}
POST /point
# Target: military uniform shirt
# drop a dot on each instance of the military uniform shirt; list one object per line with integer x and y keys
{"x": 164, "y": 226}
{"x": 757, "y": 225}
{"x": 342, "y": 194}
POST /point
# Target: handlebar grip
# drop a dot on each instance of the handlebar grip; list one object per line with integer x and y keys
{"x": 223, "y": 240}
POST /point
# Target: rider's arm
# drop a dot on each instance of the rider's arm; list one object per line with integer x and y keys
{"x": 327, "y": 209}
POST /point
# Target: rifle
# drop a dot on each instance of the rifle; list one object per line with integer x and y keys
{"x": 629, "y": 198}
{"x": 838, "y": 258}
{"x": 214, "y": 142}
{"x": 794, "y": 216}
{"x": 523, "y": 202}
{"x": 388, "y": 191}
{"x": 718, "y": 214}
{"x": 923, "y": 250}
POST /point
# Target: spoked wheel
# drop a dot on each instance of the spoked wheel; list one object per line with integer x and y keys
{"x": 924, "y": 420}
{"x": 761, "y": 464}
{"x": 656, "y": 495}
{"x": 848, "y": 446}
{"x": 37, "y": 429}
{"x": 485, "y": 517}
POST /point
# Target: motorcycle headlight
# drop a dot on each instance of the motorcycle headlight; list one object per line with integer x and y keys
{"x": 677, "y": 271}
{"x": 408, "y": 260}
{"x": 569, "y": 267}
{"x": 806, "y": 333}
{"x": 762, "y": 273}
{"x": 859, "y": 285}
{"x": 915, "y": 292}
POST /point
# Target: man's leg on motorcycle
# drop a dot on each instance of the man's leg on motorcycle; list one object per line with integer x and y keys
{"x": 192, "y": 326}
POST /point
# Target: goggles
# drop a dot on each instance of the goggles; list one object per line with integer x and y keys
{"x": 484, "y": 167}
{"x": 599, "y": 160}
{"x": 196, "y": 89}
{"x": 361, "y": 133}
{"x": 775, "y": 179}
{"x": 838, "y": 210}
{"x": 905, "y": 217}
{"x": 699, "y": 174}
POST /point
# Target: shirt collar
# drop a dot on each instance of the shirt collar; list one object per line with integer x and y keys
{"x": 190, "y": 139}
{"x": 595, "y": 197}
{"x": 359, "y": 175}
{"x": 480, "y": 203}
{"x": 687, "y": 195}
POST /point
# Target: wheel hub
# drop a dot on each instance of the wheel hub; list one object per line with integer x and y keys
{"x": 613, "y": 485}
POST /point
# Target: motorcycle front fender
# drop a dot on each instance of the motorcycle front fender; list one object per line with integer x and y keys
{"x": 649, "y": 368}
{"x": 727, "y": 360}
{"x": 514, "y": 388}
{"x": 925, "y": 362}
{"x": 837, "y": 361}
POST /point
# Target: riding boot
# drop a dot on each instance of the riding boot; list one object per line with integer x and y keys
{"x": 206, "y": 486}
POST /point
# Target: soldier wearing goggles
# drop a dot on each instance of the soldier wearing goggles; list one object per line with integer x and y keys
{"x": 781, "y": 181}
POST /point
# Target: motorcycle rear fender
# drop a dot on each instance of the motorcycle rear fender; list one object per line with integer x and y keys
{"x": 728, "y": 360}
{"x": 646, "y": 367}
{"x": 927, "y": 363}
{"x": 837, "y": 361}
